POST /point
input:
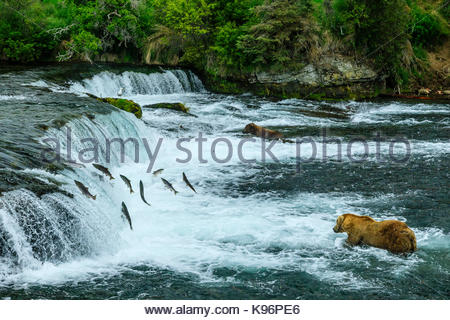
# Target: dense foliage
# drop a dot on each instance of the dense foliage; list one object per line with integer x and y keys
{"x": 283, "y": 34}
{"x": 222, "y": 37}
{"x": 377, "y": 29}
{"x": 30, "y": 30}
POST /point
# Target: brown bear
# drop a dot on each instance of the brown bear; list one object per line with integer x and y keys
{"x": 262, "y": 132}
{"x": 391, "y": 235}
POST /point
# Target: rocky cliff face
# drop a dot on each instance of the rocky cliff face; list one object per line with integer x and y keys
{"x": 333, "y": 77}
{"x": 331, "y": 71}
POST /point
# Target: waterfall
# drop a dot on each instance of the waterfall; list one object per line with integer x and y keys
{"x": 108, "y": 84}
{"x": 116, "y": 125}
{"x": 54, "y": 227}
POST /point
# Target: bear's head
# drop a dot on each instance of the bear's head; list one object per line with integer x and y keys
{"x": 338, "y": 228}
{"x": 250, "y": 128}
{"x": 346, "y": 222}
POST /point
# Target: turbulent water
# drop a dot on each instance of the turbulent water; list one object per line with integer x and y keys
{"x": 257, "y": 229}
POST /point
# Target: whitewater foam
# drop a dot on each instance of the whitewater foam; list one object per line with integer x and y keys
{"x": 12, "y": 97}
{"x": 108, "y": 84}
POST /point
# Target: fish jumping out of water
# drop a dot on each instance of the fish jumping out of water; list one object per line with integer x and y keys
{"x": 141, "y": 189}
{"x": 185, "y": 179}
{"x": 84, "y": 190}
{"x": 169, "y": 186}
{"x": 126, "y": 214}
{"x": 157, "y": 172}
{"x": 127, "y": 182}
{"x": 104, "y": 170}
{"x": 120, "y": 93}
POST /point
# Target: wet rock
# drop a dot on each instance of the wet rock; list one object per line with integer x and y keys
{"x": 42, "y": 127}
{"x": 172, "y": 106}
{"x": 330, "y": 71}
{"x": 123, "y": 104}
{"x": 331, "y": 78}
{"x": 325, "y": 115}
{"x": 39, "y": 185}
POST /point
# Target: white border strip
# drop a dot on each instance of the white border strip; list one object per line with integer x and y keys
{"x": 236, "y": 309}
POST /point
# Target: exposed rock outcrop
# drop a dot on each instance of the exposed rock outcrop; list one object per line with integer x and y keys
{"x": 123, "y": 104}
{"x": 172, "y": 106}
{"x": 331, "y": 71}
{"x": 333, "y": 77}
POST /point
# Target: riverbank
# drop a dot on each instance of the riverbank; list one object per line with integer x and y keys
{"x": 280, "y": 48}
{"x": 344, "y": 81}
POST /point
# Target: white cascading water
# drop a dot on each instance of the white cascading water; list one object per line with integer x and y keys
{"x": 188, "y": 232}
{"x": 55, "y": 228}
{"x": 108, "y": 84}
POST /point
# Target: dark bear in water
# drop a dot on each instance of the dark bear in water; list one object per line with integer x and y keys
{"x": 262, "y": 132}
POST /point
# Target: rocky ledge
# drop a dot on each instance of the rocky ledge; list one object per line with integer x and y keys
{"x": 177, "y": 106}
{"x": 123, "y": 104}
{"x": 333, "y": 77}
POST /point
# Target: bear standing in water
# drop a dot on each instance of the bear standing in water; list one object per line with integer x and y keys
{"x": 391, "y": 235}
{"x": 262, "y": 132}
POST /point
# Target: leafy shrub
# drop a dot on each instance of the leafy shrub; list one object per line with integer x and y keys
{"x": 23, "y": 35}
{"x": 420, "y": 52}
{"x": 427, "y": 29}
{"x": 280, "y": 36}
{"x": 377, "y": 29}
{"x": 445, "y": 9}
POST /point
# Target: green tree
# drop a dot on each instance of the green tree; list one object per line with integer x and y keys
{"x": 377, "y": 29}
{"x": 282, "y": 35}
{"x": 23, "y": 29}
{"x": 232, "y": 20}
{"x": 427, "y": 28}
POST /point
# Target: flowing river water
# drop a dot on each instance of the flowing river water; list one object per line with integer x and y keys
{"x": 257, "y": 229}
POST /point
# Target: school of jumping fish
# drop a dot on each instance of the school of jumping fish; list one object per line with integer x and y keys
{"x": 85, "y": 191}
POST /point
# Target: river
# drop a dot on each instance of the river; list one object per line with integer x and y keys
{"x": 259, "y": 227}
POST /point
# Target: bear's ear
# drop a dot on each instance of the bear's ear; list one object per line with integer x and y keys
{"x": 338, "y": 227}
{"x": 340, "y": 221}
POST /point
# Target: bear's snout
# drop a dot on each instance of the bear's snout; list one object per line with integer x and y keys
{"x": 336, "y": 229}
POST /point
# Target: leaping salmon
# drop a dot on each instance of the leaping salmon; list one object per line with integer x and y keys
{"x": 104, "y": 170}
{"x": 157, "y": 172}
{"x": 126, "y": 214}
{"x": 185, "y": 179}
{"x": 169, "y": 186}
{"x": 141, "y": 189}
{"x": 84, "y": 190}
{"x": 127, "y": 182}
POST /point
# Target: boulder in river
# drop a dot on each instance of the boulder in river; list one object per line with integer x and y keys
{"x": 123, "y": 104}
{"x": 178, "y": 106}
